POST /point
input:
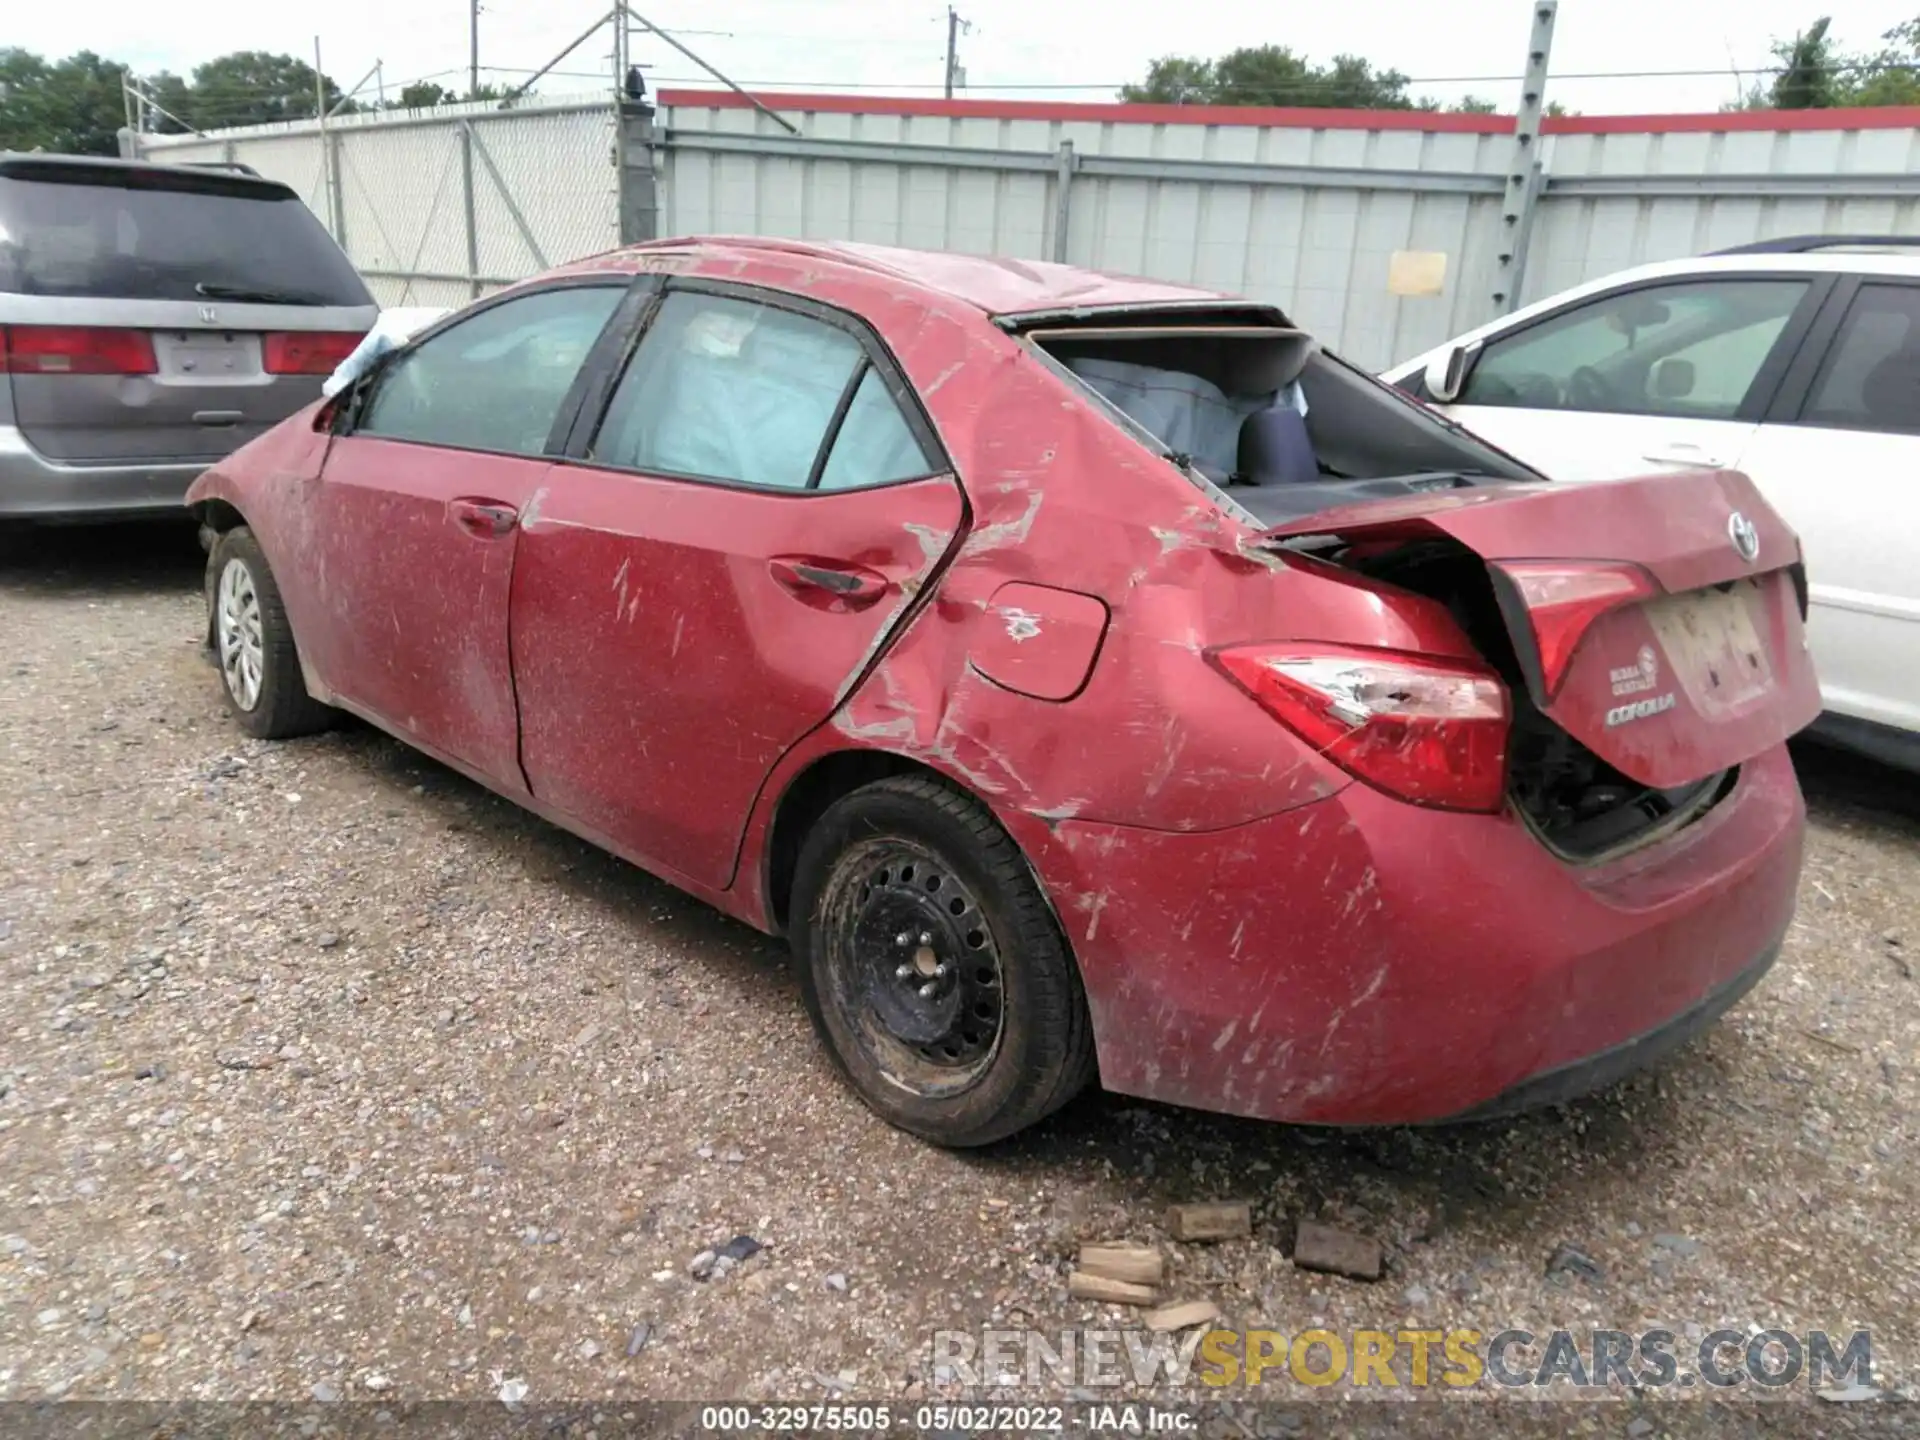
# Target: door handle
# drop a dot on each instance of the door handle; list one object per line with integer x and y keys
{"x": 829, "y": 584}
{"x": 489, "y": 519}
{"x": 1682, "y": 453}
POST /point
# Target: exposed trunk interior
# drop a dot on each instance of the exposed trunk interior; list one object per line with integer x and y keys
{"x": 1284, "y": 428}
{"x": 1577, "y": 803}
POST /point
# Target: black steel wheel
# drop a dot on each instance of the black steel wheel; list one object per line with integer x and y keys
{"x": 932, "y": 966}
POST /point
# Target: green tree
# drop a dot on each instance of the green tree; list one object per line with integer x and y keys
{"x": 1271, "y": 75}
{"x": 74, "y": 105}
{"x": 1809, "y": 76}
{"x": 1813, "y": 73}
{"x": 1473, "y": 105}
{"x": 172, "y": 101}
{"x": 423, "y": 95}
{"x": 23, "y": 98}
{"x": 252, "y": 87}
{"x": 1892, "y": 76}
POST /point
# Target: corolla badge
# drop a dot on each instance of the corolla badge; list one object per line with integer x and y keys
{"x": 1746, "y": 539}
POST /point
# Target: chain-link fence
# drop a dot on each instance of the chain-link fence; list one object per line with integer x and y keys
{"x": 438, "y": 206}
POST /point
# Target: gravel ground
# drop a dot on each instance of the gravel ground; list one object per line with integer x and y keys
{"x": 325, "y": 1074}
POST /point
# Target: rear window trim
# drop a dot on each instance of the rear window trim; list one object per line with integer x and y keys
{"x": 1224, "y": 310}
{"x": 144, "y": 176}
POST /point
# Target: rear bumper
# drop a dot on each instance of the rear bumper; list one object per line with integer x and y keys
{"x": 1612, "y": 1065}
{"x": 32, "y": 487}
{"x": 1358, "y": 961}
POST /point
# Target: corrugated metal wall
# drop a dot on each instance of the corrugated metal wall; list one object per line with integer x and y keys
{"x": 1306, "y": 209}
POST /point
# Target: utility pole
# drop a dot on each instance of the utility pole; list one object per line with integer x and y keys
{"x": 1526, "y": 174}
{"x": 955, "y": 75}
{"x": 473, "y": 48}
{"x": 620, "y": 40}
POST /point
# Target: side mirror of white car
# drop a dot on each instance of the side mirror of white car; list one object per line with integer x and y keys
{"x": 1446, "y": 374}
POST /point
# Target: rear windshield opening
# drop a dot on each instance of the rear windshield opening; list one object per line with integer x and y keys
{"x": 1285, "y": 429}
{"x": 116, "y": 233}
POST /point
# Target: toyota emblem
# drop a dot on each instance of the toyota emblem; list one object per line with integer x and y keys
{"x": 1745, "y": 538}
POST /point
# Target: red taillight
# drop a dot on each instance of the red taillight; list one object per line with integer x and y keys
{"x": 74, "y": 350}
{"x": 306, "y": 352}
{"x": 1564, "y": 598}
{"x": 1428, "y": 730}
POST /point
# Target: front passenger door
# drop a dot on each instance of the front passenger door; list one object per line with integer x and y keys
{"x": 1666, "y": 376}
{"x": 416, "y": 516}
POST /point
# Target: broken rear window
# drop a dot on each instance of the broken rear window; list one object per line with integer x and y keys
{"x": 1283, "y": 429}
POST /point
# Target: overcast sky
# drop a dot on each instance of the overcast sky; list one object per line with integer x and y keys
{"x": 1015, "y": 47}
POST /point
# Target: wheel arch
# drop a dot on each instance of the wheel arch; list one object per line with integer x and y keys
{"x": 218, "y": 515}
{"x": 823, "y": 781}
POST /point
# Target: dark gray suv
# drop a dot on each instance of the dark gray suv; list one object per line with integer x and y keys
{"x": 154, "y": 318}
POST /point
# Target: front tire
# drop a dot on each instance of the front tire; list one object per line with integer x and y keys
{"x": 253, "y": 644}
{"x": 933, "y": 968}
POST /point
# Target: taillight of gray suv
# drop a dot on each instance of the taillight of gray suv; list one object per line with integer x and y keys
{"x": 152, "y": 320}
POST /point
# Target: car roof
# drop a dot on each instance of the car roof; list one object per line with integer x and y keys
{"x": 1805, "y": 244}
{"x": 999, "y": 285}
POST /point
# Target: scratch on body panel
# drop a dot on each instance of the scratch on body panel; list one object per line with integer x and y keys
{"x": 1333, "y": 1025}
{"x": 1004, "y": 533}
{"x": 1093, "y": 905}
{"x": 1021, "y": 624}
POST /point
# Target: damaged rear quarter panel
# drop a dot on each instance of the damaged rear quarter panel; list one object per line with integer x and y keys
{"x": 1062, "y": 499}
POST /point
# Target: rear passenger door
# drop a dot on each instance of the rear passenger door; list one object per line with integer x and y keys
{"x": 1839, "y": 457}
{"x": 724, "y": 553}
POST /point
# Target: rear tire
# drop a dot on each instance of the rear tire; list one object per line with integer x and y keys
{"x": 933, "y": 968}
{"x": 253, "y": 644}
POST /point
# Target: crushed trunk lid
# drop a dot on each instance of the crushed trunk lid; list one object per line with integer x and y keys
{"x": 1659, "y": 621}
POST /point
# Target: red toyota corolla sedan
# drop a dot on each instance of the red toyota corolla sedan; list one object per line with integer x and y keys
{"x": 1088, "y": 675}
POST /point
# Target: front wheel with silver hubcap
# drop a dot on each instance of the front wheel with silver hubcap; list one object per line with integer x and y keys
{"x": 237, "y": 632}
{"x": 932, "y": 966}
{"x": 259, "y": 666}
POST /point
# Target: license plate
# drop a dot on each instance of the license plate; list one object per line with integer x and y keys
{"x": 209, "y": 357}
{"x": 1714, "y": 650}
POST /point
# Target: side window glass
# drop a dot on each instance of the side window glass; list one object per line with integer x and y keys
{"x": 1689, "y": 351}
{"x": 495, "y": 381}
{"x": 1870, "y": 379}
{"x": 874, "y": 445}
{"x": 726, "y": 389}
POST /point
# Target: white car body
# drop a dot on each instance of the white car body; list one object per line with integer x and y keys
{"x": 1800, "y": 368}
